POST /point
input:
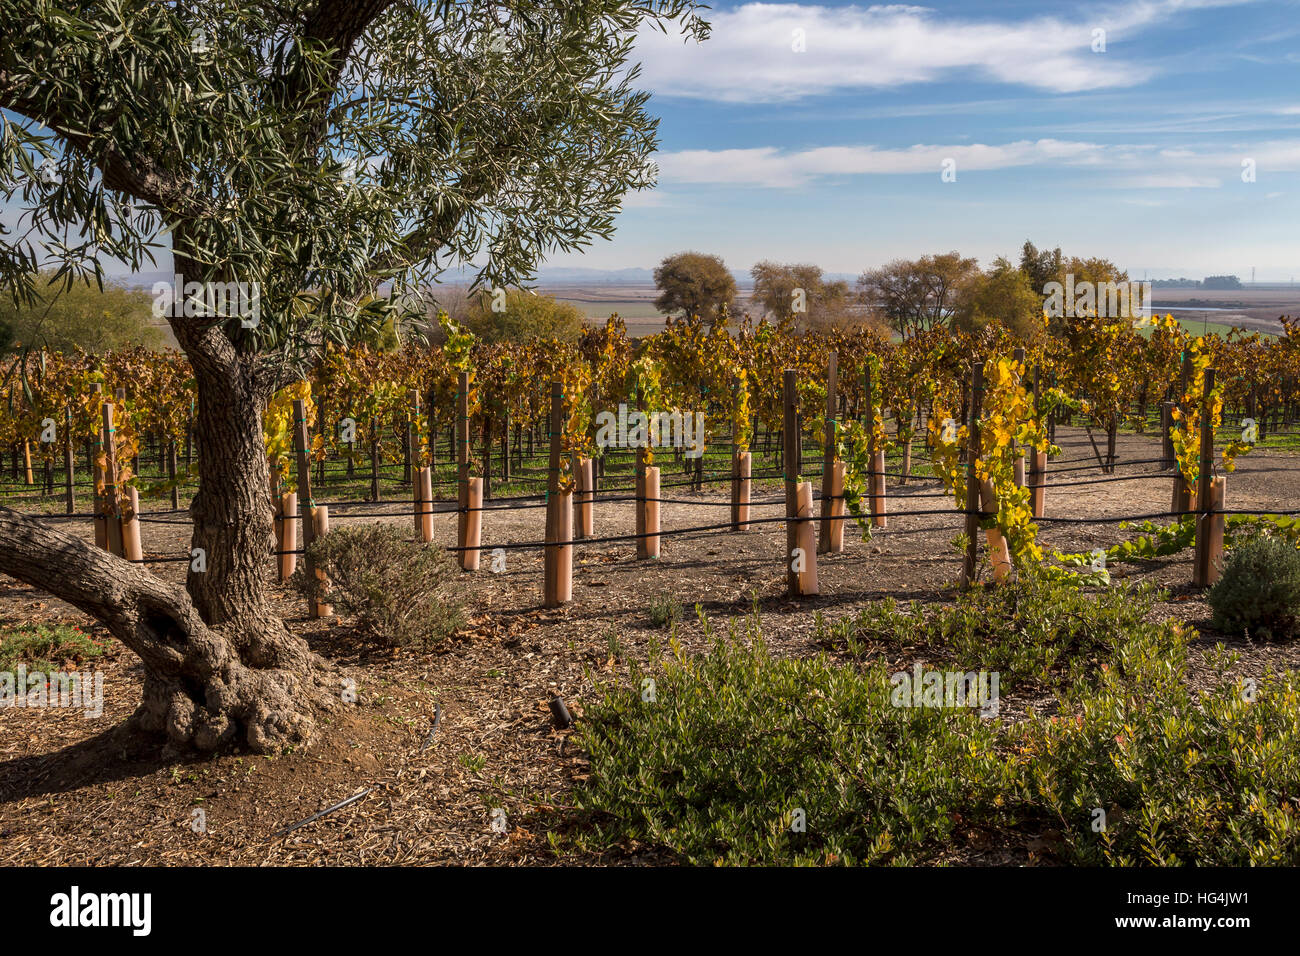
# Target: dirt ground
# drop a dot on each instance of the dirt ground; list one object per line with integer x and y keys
{"x": 441, "y": 739}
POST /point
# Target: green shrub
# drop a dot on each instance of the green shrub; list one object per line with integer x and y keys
{"x": 712, "y": 758}
{"x": 1259, "y": 591}
{"x": 665, "y": 610}
{"x": 46, "y": 647}
{"x": 401, "y": 593}
{"x": 1181, "y": 778}
{"x": 737, "y": 757}
{"x": 1034, "y": 630}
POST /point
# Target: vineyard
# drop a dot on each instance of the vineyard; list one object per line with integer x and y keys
{"x": 530, "y": 432}
{"x": 952, "y": 460}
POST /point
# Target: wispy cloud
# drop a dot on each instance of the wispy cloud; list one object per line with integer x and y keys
{"x": 1142, "y": 166}
{"x": 752, "y": 56}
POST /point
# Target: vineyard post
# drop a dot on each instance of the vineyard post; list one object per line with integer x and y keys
{"x": 306, "y": 506}
{"x": 806, "y": 542}
{"x": 972, "y": 482}
{"x": 417, "y": 499}
{"x": 1215, "y": 522}
{"x": 1204, "y": 493}
{"x": 469, "y": 557}
{"x": 832, "y": 500}
{"x": 1181, "y": 502}
{"x": 585, "y": 526}
{"x": 741, "y": 469}
{"x": 1166, "y": 436}
{"x": 120, "y": 394}
{"x": 505, "y": 447}
{"x": 1018, "y": 468}
{"x": 426, "y": 500}
{"x": 132, "y": 549}
{"x": 320, "y": 525}
{"x": 999, "y": 552}
{"x": 652, "y": 511}
{"x": 413, "y": 454}
{"x": 408, "y": 443}
{"x": 486, "y": 436}
{"x": 374, "y": 457}
{"x": 838, "y": 511}
{"x": 322, "y": 416}
{"x": 462, "y": 466}
{"x": 111, "y": 515}
{"x": 639, "y": 481}
{"x": 97, "y": 479}
{"x": 558, "y": 564}
{"x": 876, "y": 462}
{"x": 869, "y": 420}
{"x": 286, "y": 535}
{"x": 1037, "y": 460}
{"x": 69, "y": 464}
{"x": 28, "y": 478}
{"x": 800, "y": 550}
{"x": 171, "y": 474}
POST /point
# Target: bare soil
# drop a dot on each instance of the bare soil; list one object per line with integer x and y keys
{"x": 78, "y": 790}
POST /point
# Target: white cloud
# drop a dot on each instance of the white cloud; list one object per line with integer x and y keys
{"x": 1167, "y": 181}
{"x": 769, "y": 166}
{"x": 750, "y": 55}
{"x": 1141, "y": 166}
{"x": 645, "y": 199}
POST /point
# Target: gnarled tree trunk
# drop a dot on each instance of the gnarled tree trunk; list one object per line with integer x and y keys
{"x": 200, "y": 688}
{"x": 219, "y": 664}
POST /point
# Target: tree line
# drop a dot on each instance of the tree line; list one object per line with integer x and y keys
{"x": 906, "y": 296}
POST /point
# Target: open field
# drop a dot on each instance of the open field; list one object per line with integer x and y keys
{"x": 1255, "y": 310}
{"x": 1200, "y": 311}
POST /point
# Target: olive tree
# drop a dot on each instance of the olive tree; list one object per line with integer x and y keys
{"x": 333, "y": 156}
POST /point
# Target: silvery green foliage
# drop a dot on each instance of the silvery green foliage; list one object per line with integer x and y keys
{"x": 320, "y": 149}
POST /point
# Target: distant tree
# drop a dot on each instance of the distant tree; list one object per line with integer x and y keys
{"x": 1001, "y": 295}
{"x": 1040, "y": 268}
{"x": 916, "y": 295}
{"x": 1044, "y": 268}
{"x": 694, "y": 284}
{"x": 799, "y": 293}
{"x": 525, "y": 316}
{"x": 83, "y": 316}
{"x": 1221, "y": 282}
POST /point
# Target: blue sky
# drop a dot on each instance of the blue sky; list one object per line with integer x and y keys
{"x": 833, "y": 154}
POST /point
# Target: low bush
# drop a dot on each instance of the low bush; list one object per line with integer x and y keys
{"x": 665, "y": 610}
{"x": 403, "y": 594}
{"x": 1141, "y": 771}
{"x": 46, "y": 647}
{"x": 737, "y": 757}
{"x": 1035, "y": 630}
{"x": 1258, "y": 594}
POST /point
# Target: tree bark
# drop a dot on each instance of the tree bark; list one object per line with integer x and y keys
{"x": 219, "y": 664}
{"x": 199, "y": 690}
